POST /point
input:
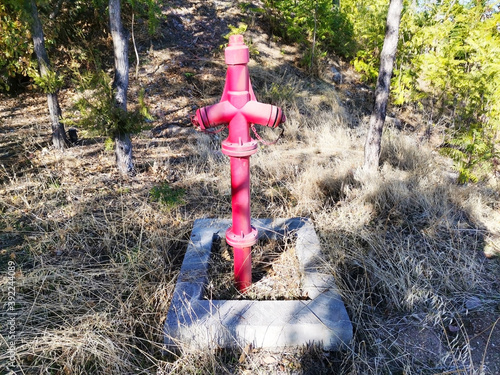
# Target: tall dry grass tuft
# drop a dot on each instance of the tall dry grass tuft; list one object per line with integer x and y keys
{"x": 409, "y": 264}
{"x": 95, "y": 264}
{"x": 402, "y": 152}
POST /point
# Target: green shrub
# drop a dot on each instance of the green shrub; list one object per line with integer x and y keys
{"x": 448, "y": 61}
{"x": 49, "y": 83}
{"x": 16, "y": 47}
{"x": 99, "y": 114}
{"x": 312, "y": 22}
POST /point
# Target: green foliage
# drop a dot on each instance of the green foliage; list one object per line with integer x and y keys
{"x": 368, "y": 19}
{"x": 250, "y": 7}
{"x": 143, "y": 108}
{"x": 148, "y": 10}
{"x": 98, "y": 111}
{"x": 451, "y": 56}
{"x": 76, "y": 35}
{"x": 109, "y": 144}
{"x": 235, "y": 30}
{"x": 240, "y": 29}
{"x": 16, "y": 46}
{"x": 366, "y": 63}
{"x": 448, "y": 61}
{"x": 310, "y": 22}
{"x": 51, "y": 82}
{"x": 167, "y": 196}
{"x": 471, "y": 150}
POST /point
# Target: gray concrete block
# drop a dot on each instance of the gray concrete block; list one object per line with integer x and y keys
{"x": 199, "y": 323}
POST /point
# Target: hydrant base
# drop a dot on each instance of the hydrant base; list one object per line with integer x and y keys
{"x": 199, "y": 323}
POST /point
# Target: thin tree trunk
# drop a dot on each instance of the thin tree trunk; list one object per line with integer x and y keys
{"x": 377, "y": 119}
{"x": 123, "y": 144}
{"x": 59, "y": 139}
{"x": 314, "y": 35}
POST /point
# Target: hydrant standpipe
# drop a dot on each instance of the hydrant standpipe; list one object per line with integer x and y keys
{"x": 240, "y": 109}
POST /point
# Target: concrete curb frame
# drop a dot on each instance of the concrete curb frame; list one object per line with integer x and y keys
{"x": 200, "y": 323}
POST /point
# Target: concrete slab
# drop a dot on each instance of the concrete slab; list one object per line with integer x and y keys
{"x": 195, "y": 322}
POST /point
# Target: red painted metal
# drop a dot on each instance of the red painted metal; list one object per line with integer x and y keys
{"x": 239, "y": 108}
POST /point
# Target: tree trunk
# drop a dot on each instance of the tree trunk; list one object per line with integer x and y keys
{"x": 377, "y": 119}
{"x": 123, "y": 144}
{"x": 59, "y": 139}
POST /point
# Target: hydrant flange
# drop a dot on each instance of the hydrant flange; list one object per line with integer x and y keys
{"x": 243, "y": 240}
{"x": 237, "y": 150}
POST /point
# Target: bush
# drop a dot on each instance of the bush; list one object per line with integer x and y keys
{"x": 16, "y": 47}
{"x": 99, "y": 112}
{"x": 312, "y": 22}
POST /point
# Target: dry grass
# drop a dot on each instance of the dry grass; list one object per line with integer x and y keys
{"x": 274, "y": 272}
{"x": 96, "y": 258}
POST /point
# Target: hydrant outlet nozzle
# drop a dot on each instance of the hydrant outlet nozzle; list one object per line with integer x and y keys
{"x": 195, "y": 122}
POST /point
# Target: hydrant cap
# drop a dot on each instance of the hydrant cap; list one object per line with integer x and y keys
{"x": 236, "y": 51}
{"x": 235, "y": 39}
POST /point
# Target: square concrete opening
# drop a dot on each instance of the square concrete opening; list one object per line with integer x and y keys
{"x": 275, "y": 273}
{"x": 195, "y": 322}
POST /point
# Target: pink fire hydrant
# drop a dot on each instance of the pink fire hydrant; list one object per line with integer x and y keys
{"x": 239, "y": 108}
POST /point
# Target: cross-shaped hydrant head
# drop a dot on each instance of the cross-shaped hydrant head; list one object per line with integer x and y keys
{"x": 238, "y": 106}
{"x": 240, "y": 109}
